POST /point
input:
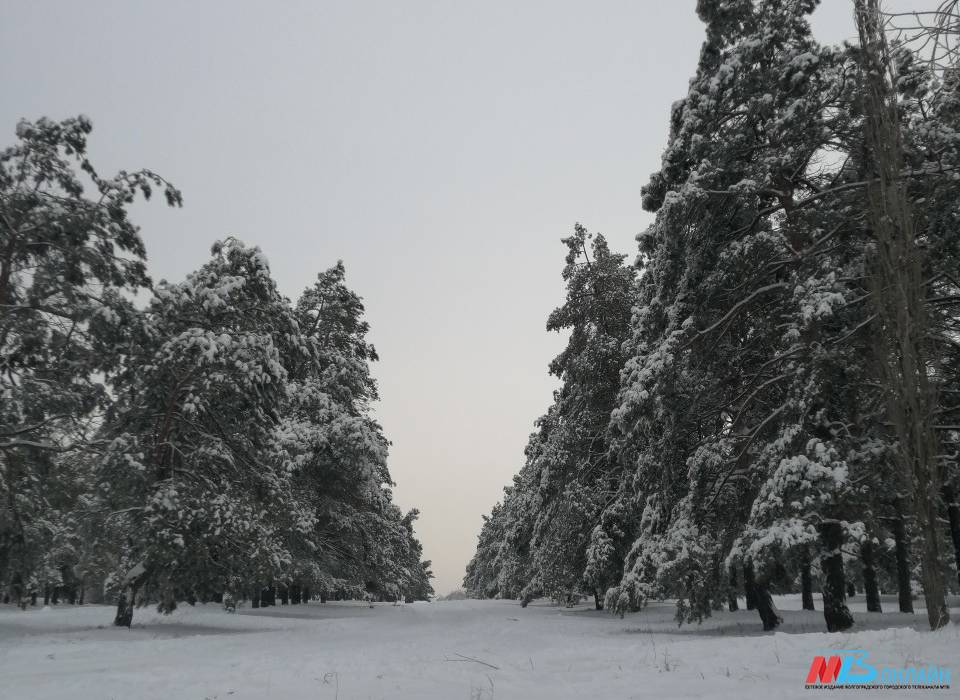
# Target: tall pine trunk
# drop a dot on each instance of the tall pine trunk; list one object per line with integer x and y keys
{"x": 732, "y": 604}
{"x": 835, "y": 611}
{"x": 898, "y": 294}
{"x": 953, "y": 515}
{"x": 902, "y": 552}
{"x": 749, "y": 586}
{"x": 806, "y": 583}
{"x": 870, "y": 588}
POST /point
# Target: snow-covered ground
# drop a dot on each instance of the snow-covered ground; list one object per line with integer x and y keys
{"x": 444, "y": 650}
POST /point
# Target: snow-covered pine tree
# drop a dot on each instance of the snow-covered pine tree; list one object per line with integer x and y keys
{"x": 336, "y": 455}
{"x": 569, "y": 480}
{"x": 189, "y": 495}
{"x": 67, "y": 260}
{"x": 707, "y": 386}
{"x": 579, "y": 480}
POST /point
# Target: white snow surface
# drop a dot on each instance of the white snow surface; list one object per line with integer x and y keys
{"x": 442, "y": 650}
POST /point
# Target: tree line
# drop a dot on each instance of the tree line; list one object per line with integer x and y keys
{"x": 767, "y": 400}
{"x": 217, "y": 440}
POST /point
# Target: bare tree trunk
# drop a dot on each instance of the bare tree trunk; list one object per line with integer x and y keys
{"x": 124, "y": 616}
{"x": 806, "y": 583}
{"x": 904, "y": 593}
{"x": 597, "y": 601}
{"x": 898, "y": 294}
{"x": 749, "y": 586}
{"x": 870, "y": 588}
{"x": 953, "y": 515}
{"x": 835, "y": 611}
{"x": 132, "y": 582}
{"x": 769, "y": 614}
{"x": 732, "y": 604}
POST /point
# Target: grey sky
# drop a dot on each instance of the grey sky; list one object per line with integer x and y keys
{"x": 441, "y": 149}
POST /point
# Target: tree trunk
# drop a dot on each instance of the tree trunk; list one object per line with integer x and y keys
{"x": 255, "y": 598}
{"x": 898, "y": 292}
{"x": 749, "y": 586}
{"x": 835, "y": 610}
{"x": 124, "y": 617}
{"x": 46, "y": 596}
{"x": 904, "y": 592}
{"x": 953, "y": 515}
{"x": 870, "y": 588}
{"x": 769, "y": 614}
{"x": 732, "y": 605}
{"x": 806, "y": 583}
{"x": 597, "y": 601}
{"x": 851, "y": 590}
{"x": 284, "y": 596}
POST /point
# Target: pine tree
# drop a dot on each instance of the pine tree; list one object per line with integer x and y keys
{"x": 68, "y": 260}
{"x": 191, "y": 499}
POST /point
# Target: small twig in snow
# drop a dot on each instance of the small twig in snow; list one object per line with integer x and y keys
{"x": 470, "y": 658}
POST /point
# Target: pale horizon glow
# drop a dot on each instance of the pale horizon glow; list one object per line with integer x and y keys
{"x": 442, "y": 150}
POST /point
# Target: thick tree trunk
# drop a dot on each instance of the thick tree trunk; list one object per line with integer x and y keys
{"x": 124, "y": 616}
{"x": 732, "y": 604}
{"x": 870, "y": 588}
{"x": 806, "y": 583}
{"x": 255, "y": 597}
{"x": 132, "y": 582}
{"x": 284, "y": 596}
{"x": 835, "y": 610}
{"x": 898, "y": 292}
{"x": 902, "y": 550}
{"x": 769, "y": 614}
{"x": 749, "y": 586}
{"x": 953, "y": 515}
{"x": 597, "y": 601}
{"x": 851, "y": 590}
{"x": 46, "y": 596}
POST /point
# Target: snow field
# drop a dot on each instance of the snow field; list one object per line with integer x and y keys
{"x": 445, "y": 650}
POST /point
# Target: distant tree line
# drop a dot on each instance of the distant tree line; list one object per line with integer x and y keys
{"x": 768, "y": 401}
{"x": 217, "y": 440}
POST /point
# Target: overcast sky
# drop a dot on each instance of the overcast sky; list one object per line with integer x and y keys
{"x": 441, "y": 149}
